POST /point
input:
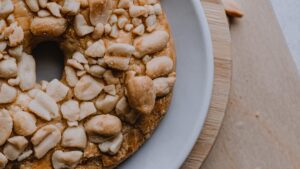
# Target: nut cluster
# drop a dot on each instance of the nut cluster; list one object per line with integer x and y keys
{"x": 115, "y": 77}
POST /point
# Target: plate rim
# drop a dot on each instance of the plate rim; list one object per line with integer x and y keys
{"x": 203, "y": 24}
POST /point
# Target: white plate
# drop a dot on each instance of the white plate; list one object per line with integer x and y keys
{"x": 177, "y": 133}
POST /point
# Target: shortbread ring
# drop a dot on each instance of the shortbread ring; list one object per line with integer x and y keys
{"x": 116, "y": 87}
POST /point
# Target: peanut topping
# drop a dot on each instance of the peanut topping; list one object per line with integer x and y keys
{"x": 110, "y": 89}
{"x": 3, "y": 161}
{"x": 15, "y": 146}
{"x": 44, "y": 106}
{"x": 71, "y": 77}
{"x": 43, "y": 13}
{"x": 97, "y": 49}
{"x": 81, "y": 26}
{"x": 57, "y": 90}
{"x": 69, "y": 159}
{"x": 112, "y": 147}
{"x": 16, "y": 52}
{"x": 75, "y": 64}
{"x": 107, "y": 103}
{"x": 98, "y": 11}
{"x": 24, "y": 123}
{"x": 122, "y": 106}
{"x": 71, "y": 7}
{"x": 6, "y": 7}
{"x": 151, "y": 23}
{"x": 8, "y": 68}
{"x": 54, "y": 8}
{"x": 2, "y": 25}
{"x": 22, "y": 101}
{"x": 121, "y": 49}
{"x": 79, "y": 57}
{"x": 87, "y": 109}
{"x": 141, "y": 94}
{"x": 48, "y": 26}
{"x": 157, "y": 9}
{"x": 87, "y": 88}
{"x": 7, "y": 94}
{"x": 45, "y": 139}
{"x": 25, "y": 155}
{"x": 96, "y": 71}
{"x": 33, "y": 5}
{"x": 136, "y": 11}
{"x": 125, "y": 4}
{"x": 151, "y": 43}
{"x": 163, "y": 85}
{"x": 6, "y": 125}
{"x": 116, "y": 62}
{"x": 159, "y": 66}
{"x": 109, "y": 78}
{"x": 70, "y": 110}
{"x": 15, "y": 35}
{"x": 43, "y": 3}
{"x": 103, "y": 125}
{"x": 3, "y": 46}
{"x": 139, "y": 30}
{"x": 74, "y": 137}
{"x": 26, "y": 72}
{"x": 98, "y": 32}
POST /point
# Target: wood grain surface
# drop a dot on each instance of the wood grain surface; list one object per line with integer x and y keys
{"x": 261, "y": 126}
{"x": 222, "y": 56}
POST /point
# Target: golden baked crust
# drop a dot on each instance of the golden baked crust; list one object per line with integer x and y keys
{"x": 135, "y": 132}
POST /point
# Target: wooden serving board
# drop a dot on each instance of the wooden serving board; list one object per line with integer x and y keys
{"x": 220, "y": 33}
{"x": 261, "y": 125}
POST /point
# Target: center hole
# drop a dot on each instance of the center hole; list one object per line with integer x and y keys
{"x": 49, "y": 60}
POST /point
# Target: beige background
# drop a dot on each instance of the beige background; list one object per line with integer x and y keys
{"x": 261, "y": 129}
